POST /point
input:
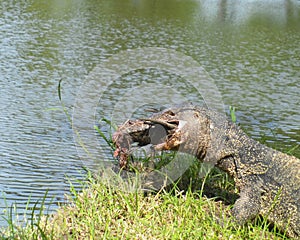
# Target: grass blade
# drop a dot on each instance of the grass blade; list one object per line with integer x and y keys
{"x": 59, "y": 89}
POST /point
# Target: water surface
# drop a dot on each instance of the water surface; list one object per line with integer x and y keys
{"x": 250, "y": 49}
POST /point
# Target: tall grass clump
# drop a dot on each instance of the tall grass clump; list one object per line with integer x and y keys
{"x": 28, "y": 225}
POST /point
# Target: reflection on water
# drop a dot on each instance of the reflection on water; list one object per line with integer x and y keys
{"x": 250, "y": 48}
{"x": 275, "y": 12}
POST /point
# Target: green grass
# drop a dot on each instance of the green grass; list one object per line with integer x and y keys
{"x": 29, "y": 224}
{"x": 102, "y": 211}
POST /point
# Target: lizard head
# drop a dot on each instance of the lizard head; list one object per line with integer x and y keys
{"x": 176, "y": 129}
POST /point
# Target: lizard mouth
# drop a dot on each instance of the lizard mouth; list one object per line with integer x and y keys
{"x": 159, "y": 134}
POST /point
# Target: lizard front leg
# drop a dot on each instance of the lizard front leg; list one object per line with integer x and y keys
{"x": 247, "y": 207}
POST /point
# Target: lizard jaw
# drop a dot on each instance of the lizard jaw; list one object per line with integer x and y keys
{"x": 161, "y": 134}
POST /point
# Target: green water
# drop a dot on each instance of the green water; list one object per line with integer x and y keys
{"x": 249, "y": 48}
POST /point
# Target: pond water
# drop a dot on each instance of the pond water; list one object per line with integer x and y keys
{"x": 249, "y": 48}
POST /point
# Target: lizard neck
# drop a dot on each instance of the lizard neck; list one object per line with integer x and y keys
{"x": 238, "y": 154}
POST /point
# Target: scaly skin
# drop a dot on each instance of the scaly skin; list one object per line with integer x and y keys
{"x": 268, "y": 180}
